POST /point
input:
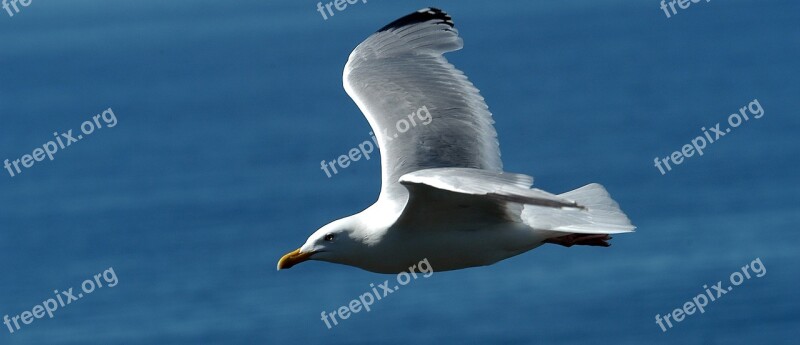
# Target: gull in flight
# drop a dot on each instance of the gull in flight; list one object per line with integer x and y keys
{"x": 444, "y": 196}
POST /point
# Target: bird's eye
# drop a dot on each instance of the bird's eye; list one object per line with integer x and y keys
{"x": 328, "y": 238}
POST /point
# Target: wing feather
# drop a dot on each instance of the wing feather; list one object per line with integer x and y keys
{"x": 400, "y": 70}
{"x": 498, "y": 186}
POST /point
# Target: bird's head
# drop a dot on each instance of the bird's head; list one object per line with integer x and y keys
{"x": 337, "y": 242}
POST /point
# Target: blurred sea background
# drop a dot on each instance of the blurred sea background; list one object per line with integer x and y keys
{"x": 225, "y": 110}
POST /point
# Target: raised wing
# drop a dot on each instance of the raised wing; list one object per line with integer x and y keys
{"x": 423, "y": 111}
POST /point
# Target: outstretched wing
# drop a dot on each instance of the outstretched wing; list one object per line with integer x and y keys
{"x": 477, "y": 197}
{"x": 497, "y": 186}
{"x": 423, "y": 111}
{"x": 471, "y": 196}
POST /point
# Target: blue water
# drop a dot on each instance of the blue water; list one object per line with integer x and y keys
{"x": 225, "y": 110}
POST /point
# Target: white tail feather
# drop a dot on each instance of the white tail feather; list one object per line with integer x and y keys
{"x": 601, "y": 216}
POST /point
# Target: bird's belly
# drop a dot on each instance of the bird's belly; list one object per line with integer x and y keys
{"x": 458, "y": 247}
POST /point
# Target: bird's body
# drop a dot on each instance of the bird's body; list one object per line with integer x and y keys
{"x": 450, "y": 242}
{"x": 444, "y": 196}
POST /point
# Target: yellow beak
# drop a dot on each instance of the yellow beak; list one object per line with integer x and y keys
{"x": 293, "y": 258}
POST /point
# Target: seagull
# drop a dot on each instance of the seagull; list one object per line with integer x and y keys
{"x": 444, "y": 195}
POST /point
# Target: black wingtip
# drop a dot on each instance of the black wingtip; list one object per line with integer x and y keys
{"x": 420, "y": 16}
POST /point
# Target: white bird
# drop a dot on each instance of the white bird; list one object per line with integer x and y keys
{"x": 444, "y": 196}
